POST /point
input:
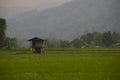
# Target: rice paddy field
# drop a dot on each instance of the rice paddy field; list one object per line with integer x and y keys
{"x": 60, "y": 64}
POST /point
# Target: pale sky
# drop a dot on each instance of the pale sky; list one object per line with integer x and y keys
{"x": 28, "y": 3}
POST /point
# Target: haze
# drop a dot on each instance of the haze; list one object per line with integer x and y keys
{"x": 62, "y": 19}
{"x": 11, "y": 8}
{"x": 28, "y": 3}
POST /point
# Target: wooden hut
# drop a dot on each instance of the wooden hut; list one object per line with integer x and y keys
{"x": 37, "y": 44}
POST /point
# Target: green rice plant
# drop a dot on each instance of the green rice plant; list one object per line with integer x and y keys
{"x": 61, "y": 64}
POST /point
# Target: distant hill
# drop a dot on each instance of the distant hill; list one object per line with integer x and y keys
{"x": 67, "y": 21}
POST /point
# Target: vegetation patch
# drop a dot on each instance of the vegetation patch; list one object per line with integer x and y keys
{"x": 59, "y": 64}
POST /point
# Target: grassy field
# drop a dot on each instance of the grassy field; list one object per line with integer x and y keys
{"x": 60, "y": 64}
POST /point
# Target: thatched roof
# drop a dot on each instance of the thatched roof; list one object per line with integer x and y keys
{"x": 36, "y": 38}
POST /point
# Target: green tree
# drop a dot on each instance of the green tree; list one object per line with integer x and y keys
{"x": 78, "y": 43}
{"x": 98, "y": 39}
{"x": 10, "y": 43}
{"x": 2, "y": 31}
{"x": 115, "y": 37}
{"x": 88, "y": 38}
{"x": 107, "y": 39}
{"x": 64, "y": 44}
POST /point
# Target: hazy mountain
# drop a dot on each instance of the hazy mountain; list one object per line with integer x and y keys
{"x": 68, "y": 20}
{"x": 11, "y": 12}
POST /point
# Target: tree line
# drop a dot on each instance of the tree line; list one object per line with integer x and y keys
{"x": 89, "y": 40}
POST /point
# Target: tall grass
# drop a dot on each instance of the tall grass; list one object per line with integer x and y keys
{"x": 61, "y": 64}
